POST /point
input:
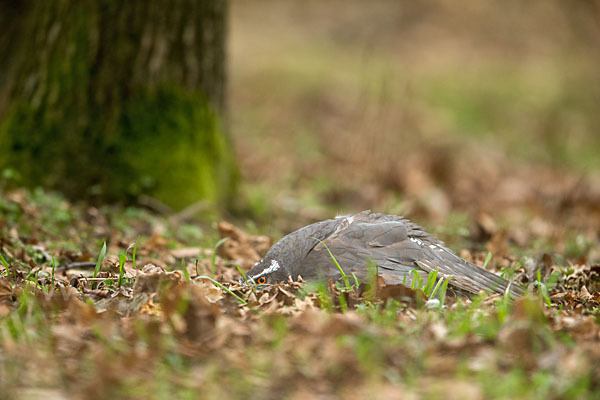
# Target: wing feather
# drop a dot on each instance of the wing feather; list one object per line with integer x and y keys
{"x": 397, "y": 247}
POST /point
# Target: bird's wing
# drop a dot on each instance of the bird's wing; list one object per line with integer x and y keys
{"x": 318, "y": 264}
{"x": 356, "y": 243}
{"x": 398, "y": 247}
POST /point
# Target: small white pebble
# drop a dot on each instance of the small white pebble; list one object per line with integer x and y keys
{"x": 432, "y": 304}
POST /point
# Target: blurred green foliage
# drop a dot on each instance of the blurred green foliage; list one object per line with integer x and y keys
{"x": 348, "y": 92}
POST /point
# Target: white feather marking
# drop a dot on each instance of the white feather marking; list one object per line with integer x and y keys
{"x": 421, "y": 243}
{"x": 346, "y": 222}
{"x": 416, "y": 240}
{"x": 269, "y": 270}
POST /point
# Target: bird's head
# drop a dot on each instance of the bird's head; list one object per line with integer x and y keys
{"x": 267, "y": 271}
{"x": 284, "y": 259}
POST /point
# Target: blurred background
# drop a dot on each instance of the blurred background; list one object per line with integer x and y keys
{"x": 437, "y": 110}
{"x": 478, "y": 114}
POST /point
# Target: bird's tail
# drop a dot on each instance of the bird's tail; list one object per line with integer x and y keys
{"x": 472, "y": 278}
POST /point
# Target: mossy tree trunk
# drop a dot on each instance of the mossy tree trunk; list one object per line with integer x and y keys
{"x": 112, "y": 99}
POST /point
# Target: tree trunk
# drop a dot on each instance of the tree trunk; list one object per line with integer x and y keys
{"x": 113, "y": 99}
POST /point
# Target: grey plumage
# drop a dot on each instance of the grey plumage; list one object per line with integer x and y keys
{"x": 396, "y": 245}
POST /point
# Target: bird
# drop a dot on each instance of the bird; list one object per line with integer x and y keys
{"x": 398, "y": 247}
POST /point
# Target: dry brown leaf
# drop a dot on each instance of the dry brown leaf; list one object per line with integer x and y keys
{"x": 244, "y": 250}
{"x": 584, "y": 294}
{"x": 397, "y": 291}
{"x": 186, "y": 252}
{"x": 149, "y": 278}
{"x": 6, "y": 291}
{"x": 213, "y": 293}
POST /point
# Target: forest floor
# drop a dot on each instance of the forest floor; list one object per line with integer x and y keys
{"x": 162, "y": 316}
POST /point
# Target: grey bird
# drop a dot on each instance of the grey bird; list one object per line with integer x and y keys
{"x": 394, "y": 244}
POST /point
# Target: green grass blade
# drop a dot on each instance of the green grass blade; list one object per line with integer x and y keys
{"x": 186, "y": 273}
{"x": 99, "y": 261}
{"x": 488, "y": 258}
{"x": 417, "y": 282}
{"x": 443, "y": 290}
{"x": 53, "y": 268}
{"x": 343, "y": 302}
{"x": 134, "y": 252}
{"x": 356, "y": 280}
{"x": 431, "y": 277}
{"x": 324, "y": 296}
{"x": 337, "y": 264}
{"x": 6, "y": 265}
{"x": 246, "y": 279}
{"x": 437, "y": 286}
{"x": 122, "y": 259}
{"x": 219, "y": 284}
{"x": 242, "y": 273}
{"x": 339, "y": 267}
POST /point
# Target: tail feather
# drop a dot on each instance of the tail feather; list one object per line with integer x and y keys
{"x": 472, "y": 278}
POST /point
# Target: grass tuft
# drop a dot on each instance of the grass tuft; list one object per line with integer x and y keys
{"x": 122, "y": 259}
{"x": 6, "y": 265}
{"x": 99, "y": 260}
{"x": 53, "y": 268}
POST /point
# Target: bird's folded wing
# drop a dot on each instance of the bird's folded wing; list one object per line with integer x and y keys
{"x": 398, "y": 248}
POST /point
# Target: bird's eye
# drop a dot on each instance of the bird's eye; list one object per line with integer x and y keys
{"x": 261, "y": 280}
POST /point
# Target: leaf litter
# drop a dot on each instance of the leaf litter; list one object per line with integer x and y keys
{"x": 168, "y": 331}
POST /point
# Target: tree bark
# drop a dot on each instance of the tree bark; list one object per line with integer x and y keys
{"x": 113, "y": 99}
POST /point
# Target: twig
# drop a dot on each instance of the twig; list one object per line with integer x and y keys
{"x": 77, "y": 265}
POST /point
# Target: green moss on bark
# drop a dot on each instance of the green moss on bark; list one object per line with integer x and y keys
{"x": 166, "y": 143}
{"x": 198, "y": 164}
